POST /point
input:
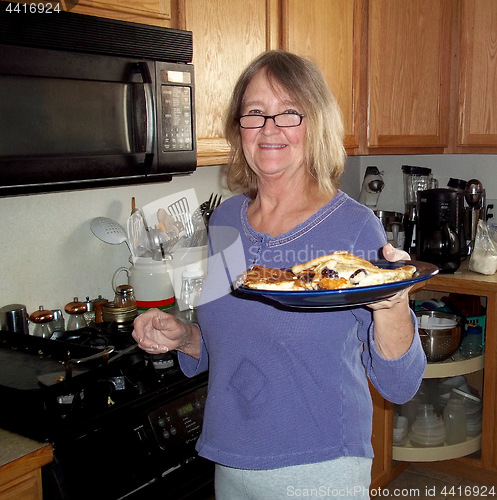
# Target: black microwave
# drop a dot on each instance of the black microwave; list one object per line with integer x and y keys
{"x": 88, "y": 102}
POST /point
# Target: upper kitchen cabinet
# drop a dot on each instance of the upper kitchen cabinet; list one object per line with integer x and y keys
{"x": 155, "y": 12}
{"x": 408, "y": 74}
{"x": 328, "y": 32}
{"x": 227, "y": 35}
{"x": 478, "y": 77}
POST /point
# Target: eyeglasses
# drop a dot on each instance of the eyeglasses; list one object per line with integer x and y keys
{"x": 280, "y": 120}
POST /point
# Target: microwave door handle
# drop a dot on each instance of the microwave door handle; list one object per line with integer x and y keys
{"x": 143, "y": 101}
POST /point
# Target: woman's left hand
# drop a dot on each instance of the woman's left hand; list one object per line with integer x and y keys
{"x": 393, "y": 325}
{"x": 392, "y": 254}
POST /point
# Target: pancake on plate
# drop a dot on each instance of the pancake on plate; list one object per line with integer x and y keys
{"x": 329, "y": 272}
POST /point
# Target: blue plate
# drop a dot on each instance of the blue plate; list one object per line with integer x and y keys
{"x": 347, "y": 297}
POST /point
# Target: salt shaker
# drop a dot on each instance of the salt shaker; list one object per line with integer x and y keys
{"x": 125, "y": 296}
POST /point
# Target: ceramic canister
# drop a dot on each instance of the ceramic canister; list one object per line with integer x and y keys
{"x": 150, "y": 281}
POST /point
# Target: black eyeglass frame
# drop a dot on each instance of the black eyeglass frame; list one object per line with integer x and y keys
{"x": 300, "y": 115}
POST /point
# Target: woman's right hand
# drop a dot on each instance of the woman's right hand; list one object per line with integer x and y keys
{"x": 157, "y": 332}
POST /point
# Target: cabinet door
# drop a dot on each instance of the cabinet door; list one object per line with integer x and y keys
{"x": 381, "y": 439}
{"x": 478, "y": 87}
{"x": 408, "y": 75}
{"x": 227, "y": 35}
{"x": 155, "y": 12}
{"x": 328, "y": 32}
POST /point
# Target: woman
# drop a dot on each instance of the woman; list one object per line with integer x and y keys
{"x": 288, "y": 407}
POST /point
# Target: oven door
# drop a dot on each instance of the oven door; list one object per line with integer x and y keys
{"x": 143, "y": 451}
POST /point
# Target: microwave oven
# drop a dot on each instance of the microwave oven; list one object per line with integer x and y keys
{"x": 89, "y": 102}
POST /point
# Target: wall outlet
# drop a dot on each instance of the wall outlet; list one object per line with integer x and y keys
{"x": 491, "y": 211}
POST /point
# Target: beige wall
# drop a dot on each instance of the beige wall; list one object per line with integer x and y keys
{"x": 48, "y": 253}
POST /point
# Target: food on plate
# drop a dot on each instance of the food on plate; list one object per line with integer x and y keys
{"x": 329, "y": 272}
{"x": 267, "y": 278}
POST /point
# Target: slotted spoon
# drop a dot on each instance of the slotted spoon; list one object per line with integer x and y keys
{"x": 109, "y": 231}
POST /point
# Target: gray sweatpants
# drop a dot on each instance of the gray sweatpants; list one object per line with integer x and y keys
{"x": 346, "y": 477}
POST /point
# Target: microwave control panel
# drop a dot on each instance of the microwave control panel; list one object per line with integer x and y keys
{"x": 177, "y": 131}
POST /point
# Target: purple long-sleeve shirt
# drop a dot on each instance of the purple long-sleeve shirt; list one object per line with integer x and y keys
{"x": 289, "y": 387}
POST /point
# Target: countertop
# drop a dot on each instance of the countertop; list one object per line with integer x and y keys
{"x": 463, "y": 279}
{"x": 20, "y": 455}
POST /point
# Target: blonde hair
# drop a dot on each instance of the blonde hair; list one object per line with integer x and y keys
{"x": 324, "y": 152}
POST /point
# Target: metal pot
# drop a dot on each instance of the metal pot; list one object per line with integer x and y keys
{"x": 440, "y": 334}
{"x": 394, "y": 227}
{"x": 118, "y": 315}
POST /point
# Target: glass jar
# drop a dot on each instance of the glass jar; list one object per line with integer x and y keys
{"x": 42, "y": 319}
{"x": 76, "y": 311}
{"x": 124, "y": 296}
{"x": 192, "y": 281}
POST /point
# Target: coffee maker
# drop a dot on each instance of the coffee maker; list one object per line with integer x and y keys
{"x": 438, "y": 228}
{"x": 415, "y": 179}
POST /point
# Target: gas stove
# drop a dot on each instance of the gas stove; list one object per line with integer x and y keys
{"x": 113, "y": 413}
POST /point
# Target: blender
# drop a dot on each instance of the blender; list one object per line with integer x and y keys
{"x": 415, "y": 179}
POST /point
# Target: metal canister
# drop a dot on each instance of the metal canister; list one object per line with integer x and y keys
{"x": 58, "y": 321}
{"x": 14, "y": 318}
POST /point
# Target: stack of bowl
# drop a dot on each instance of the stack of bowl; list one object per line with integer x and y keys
{"x": 428, "y": 429}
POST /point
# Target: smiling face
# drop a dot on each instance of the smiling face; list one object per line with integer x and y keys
{"x": 272, "y": 152}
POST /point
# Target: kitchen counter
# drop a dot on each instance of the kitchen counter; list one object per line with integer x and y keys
{"x": 21, "y": 460}
{"x": 464, "y": 278}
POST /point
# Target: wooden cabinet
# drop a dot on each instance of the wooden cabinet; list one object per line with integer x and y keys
{"x": 431, "y": 77}
{"x": 416, "y": 77}
{"x": 481, "y": 467}
{"x": 477, "y": 104}
{"x": 328, "y": 32}
{"x": 227, "y": 35}
{"x": 156, "y": 12}
{"x": 408, "y": 76}
{"x": 21, "y": 460}
{"x": 485, "y": 286}
{"x": 381, "y": 439}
